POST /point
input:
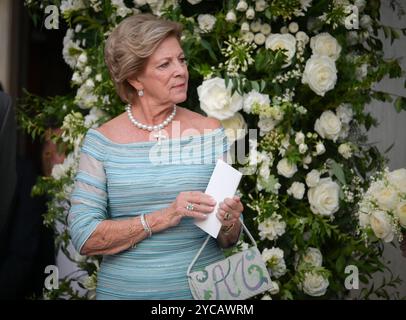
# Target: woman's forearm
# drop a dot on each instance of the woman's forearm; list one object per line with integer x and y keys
{"x": 113, "y": 236}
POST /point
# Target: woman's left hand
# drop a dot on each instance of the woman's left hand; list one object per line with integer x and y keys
{"x": 229, "y": 211}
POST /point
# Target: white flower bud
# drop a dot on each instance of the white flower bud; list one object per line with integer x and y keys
{"x": 293, "y": 27}
{"x": 242, "y": 6}
{"x": 230, "y": 16}
{"x": 259, "y": 39}
{"x": 250, "y": 14}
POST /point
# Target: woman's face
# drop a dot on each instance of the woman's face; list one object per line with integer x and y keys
{"x": 165, "y": 75}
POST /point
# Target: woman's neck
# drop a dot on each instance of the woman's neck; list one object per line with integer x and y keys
{"x": 151, "y": 115}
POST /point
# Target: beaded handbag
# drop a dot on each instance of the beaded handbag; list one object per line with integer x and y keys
{"x": 238, "y": 277}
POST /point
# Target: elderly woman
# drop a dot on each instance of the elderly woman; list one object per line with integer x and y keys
{"x": 134, "y": 211}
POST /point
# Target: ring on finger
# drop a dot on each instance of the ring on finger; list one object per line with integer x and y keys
{"x": 227, "y": 216}
{"x": 190, "y": 206}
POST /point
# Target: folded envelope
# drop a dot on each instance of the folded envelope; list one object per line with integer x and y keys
{"x": 223, "y": 184}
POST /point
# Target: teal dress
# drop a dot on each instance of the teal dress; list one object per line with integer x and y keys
{"x": 119, "y": 181}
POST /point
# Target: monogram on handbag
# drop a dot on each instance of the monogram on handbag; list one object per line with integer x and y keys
{"x": 238, "y": 277}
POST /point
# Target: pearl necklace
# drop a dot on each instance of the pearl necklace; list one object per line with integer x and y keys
{"x": 157, "y": 127}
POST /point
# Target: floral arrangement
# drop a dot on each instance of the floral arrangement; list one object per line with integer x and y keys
{"x": 299, "y": 71}
{"x": 382, "y": 211}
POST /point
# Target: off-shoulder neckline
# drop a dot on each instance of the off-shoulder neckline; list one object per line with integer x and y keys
{"x": 152, "y": 142}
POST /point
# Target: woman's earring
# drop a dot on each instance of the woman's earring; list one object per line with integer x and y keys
{"x": 140, "y": 93}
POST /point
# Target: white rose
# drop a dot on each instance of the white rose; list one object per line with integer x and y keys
{"x": 230, "y": 16}
{"x": 206, "y": 22}
{"x": 242, "y": 6}
{"x": 320, "y": 74}
{"x": 260, "y": 5}
{"x": 216, "y": 100}
{"x": 401, "y": 213}
{"x": 259, "y": 39}
{"x": 328, "y": 126}
{"x": 250, "y": 14}
{"x": 386, "y": 197}
{"x": 284, "y": 30}
{"x": 235, "y": 127}
{"x": 303, "y": 148}
{"x": 325, "y": 45}
{"x": 286, "y": 169}
{"x": 299, "y": 137}
{"x": 297, "y": 190}
{"x": 320, "y": 149}
{"x": 254, "y": 97}
{"x": 282, "y": 41}
{"x": 381, "y": 226}
{"x": 345, "y": 150}
{"x": 313, "y": 178}
{"x": 301, "y": 36}
{"x": 345, "y": 113}
{"x": 314, "y": 284}
{"x": 274, "y": 288}
{"x": 324, "y": 198}
{"x": 266, "y": 29}
{"x": 398, "y": 179}
{"x": 293, "y": 27}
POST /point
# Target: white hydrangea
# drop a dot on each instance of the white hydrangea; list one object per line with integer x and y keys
{"x": 121, "y": 8}
{"x": 254, "y": 97}
{"x": 272, "y": 228}
{"x": 61, "y": 170}
{"x": 274, "y": 259}
{"x": 71, "y": 49}
{"x": 68, "y": 6}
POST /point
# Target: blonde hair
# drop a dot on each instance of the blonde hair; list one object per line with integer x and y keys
{"x": 129, "y": 46}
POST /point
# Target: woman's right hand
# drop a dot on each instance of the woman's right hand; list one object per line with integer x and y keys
{"x": 203, "y": 204}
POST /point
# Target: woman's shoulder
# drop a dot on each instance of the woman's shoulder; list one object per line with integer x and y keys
{"x": 201, "y": 122}
{"x": 112, "y": 127}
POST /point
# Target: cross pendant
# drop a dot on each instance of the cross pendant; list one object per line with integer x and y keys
{"x": 159, "y": 136}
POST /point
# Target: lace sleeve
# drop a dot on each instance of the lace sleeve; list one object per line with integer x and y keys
{"x": 89, "y": 197}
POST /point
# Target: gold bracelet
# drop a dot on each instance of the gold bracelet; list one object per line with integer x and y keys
{"x": 227, "y": 230}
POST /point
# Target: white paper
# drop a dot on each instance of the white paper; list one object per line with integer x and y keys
{"x": 223, "y": 184}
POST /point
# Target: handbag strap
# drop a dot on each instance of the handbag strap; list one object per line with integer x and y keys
{"x": 207, "y": 240}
